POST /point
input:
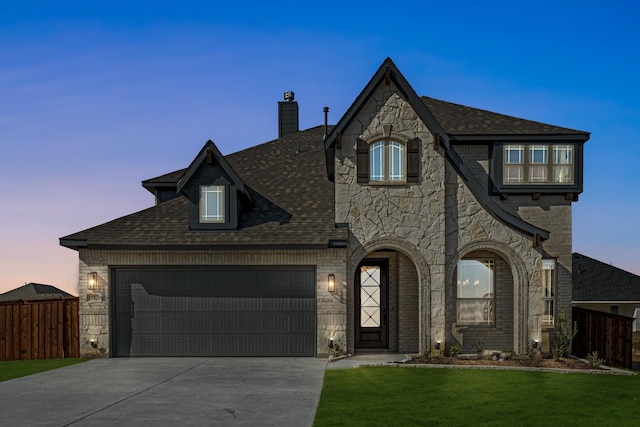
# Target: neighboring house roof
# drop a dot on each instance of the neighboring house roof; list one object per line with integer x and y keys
{"x": 294, "y": 205}
{"x": 595, "y": 281}
{"x": 34, "y": 291}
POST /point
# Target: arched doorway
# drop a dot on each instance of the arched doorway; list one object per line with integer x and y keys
{"x": 389, "y": 299}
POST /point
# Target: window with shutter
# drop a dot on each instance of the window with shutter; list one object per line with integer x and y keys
{"x": 388, "y": 161}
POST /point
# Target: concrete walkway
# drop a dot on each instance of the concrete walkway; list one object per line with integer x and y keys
{"x": 168, "y": 392}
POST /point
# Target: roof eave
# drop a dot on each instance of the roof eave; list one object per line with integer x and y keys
{"x": 519, "y": 137}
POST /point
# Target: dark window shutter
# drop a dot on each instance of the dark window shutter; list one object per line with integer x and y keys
{"x": 413, "y": 160}
{"x": 362, "y": 161}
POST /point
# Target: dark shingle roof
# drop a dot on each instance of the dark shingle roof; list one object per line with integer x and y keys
{"x": 34, "y": 291}
{"x": 294, "y": 204}
{"x": 596, "y": 281}
{"x": 461, "y": 120}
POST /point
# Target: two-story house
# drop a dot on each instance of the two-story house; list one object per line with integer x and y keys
{"x": 413, "y": 222}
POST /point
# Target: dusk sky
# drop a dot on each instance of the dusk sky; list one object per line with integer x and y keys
{"x": 98, "y": 96}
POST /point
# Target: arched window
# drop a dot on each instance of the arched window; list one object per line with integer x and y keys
{"x": 387, "y": 161}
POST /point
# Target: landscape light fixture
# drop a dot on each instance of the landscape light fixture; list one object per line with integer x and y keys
{"x": 438, "y": 345}
{"x": 92, "y": 281}
{"x": 331, "y": 283}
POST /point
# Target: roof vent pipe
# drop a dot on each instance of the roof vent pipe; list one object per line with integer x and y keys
{"x": 326, "y": 122}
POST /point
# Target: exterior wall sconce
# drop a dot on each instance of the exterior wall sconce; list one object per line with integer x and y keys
{"x": 93, "y": 343}
{"x": 331, "y": 284}
{"x": 92, "y": 281}
{"x": 438, "y": 345}
{"x": 331, "y": 344}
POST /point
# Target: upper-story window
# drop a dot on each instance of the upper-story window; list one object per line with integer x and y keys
{"x": 387, "y": 162}
{"x": 212, "y": 209}
{"x": 538, "y": 164}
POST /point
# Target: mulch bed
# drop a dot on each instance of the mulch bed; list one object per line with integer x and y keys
{"x": 539, "y": 362}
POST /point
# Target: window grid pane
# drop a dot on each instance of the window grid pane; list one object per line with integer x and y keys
{"x": 212, "y": 203}
{"x": 562, "y": 154}
{"x": 396, "y": 161}
{"x": 514, "y": 173}
{"x": 377, "y": 161}
{"x": 538, "y": 154}
{"x": 514, "y": 154}
{"x": 370, "y": 296}
{"x": 538, "y": 173}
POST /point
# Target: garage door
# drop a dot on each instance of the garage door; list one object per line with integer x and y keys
{"x": 217, "y": 311}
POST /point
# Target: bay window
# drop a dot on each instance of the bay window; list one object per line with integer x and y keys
{"x": 538, "y": 164}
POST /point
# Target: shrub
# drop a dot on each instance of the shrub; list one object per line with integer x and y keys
{"x": 479, "y": 347}
{"x": 563, "y": 337}
{"x": 593, "y": 360}
{"x": 455, "y": 350}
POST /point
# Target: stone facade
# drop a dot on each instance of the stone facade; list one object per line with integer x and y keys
{"x": 436, "y": 222}
{"x": 418, "y": 229}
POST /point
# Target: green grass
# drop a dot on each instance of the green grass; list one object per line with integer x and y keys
{"x": 461, "y": 397}
{"x": 20, "y": 368}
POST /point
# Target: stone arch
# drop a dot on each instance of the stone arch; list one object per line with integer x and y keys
{"x": 520, "y": 284}
{"x": 424, "y": 281}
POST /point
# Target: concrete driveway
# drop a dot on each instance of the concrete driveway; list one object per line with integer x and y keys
{"x": 168, "y": 392}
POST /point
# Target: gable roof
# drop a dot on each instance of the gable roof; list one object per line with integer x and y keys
{"x": 388, "y": 73}
{"x": 34, "y": 291}
{"x": 294, "y": 206}
{"x": 210, "y": 149}
{"x": 596, "y": 281}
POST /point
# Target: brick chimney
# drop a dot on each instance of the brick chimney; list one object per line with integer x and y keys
{"x": 287, "y": 115}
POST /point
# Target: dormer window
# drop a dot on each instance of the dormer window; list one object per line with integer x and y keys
{"x": 216, "y": 194}
{"x": 387, "y": 161}
{"x": 212, "y": 206}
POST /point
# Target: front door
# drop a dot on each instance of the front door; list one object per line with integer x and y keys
{"x": 371, "y": 289}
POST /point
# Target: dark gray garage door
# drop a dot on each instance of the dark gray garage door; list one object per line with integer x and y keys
{"x": 216, "y": 311}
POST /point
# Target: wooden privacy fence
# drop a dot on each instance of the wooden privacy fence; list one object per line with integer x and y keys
{"x": 611, "y": 335}
{"x": 39, "y": 329}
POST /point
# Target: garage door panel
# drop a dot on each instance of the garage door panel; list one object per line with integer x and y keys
{"x": 215, "y": 311}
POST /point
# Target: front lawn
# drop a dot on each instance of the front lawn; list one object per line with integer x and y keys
{"x": 458, "y": 397}
{"x": 20, "y": 368}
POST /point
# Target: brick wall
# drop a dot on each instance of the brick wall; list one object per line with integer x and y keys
{"x": 94, "y": 304}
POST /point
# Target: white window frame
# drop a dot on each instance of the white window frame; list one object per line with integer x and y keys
{"x": 212, "y": 194}
{"x": 469, "y": 277}
{"x": 538, "y": 164}
{"x": 385, "y": 158}
{"x": 548, "y": 282}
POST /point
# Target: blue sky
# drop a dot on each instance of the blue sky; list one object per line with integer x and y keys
{"x": 98, "y": 97}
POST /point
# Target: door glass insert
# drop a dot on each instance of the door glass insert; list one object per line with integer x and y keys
{"x": 370, "y": 277}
